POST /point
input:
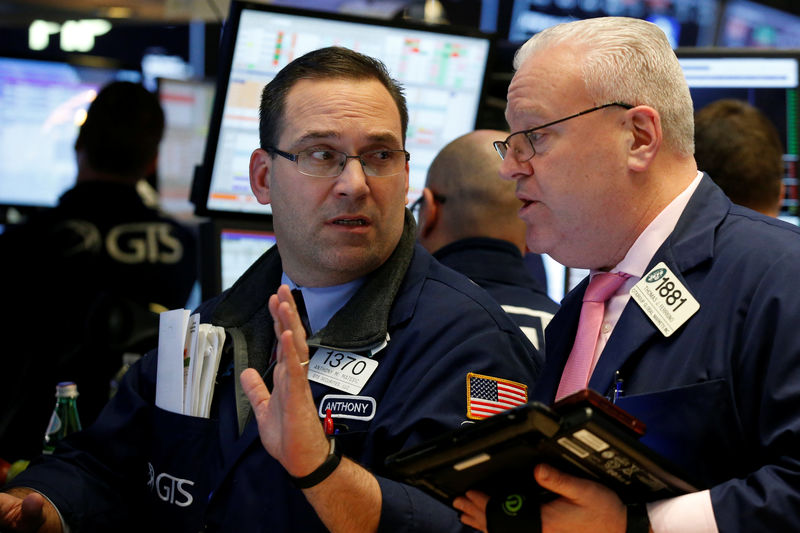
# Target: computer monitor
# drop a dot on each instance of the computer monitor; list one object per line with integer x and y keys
{"x": 365, "y": 8}
{"x": 42, "y": 104}
{"x": 228, "y": 248}
{"x": 768, "y": 80}
{"x": 187, "y": 112}
{"x": 442, "y": 69}
{"x": 754, "y": 25}
{"x": 686, "y": 22}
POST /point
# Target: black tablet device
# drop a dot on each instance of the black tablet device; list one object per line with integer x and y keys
{"x": 584, "y": 434}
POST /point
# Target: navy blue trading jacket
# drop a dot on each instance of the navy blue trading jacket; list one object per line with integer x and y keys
{"x": 142, "y": 467}
{"x": 721, "y": 395}
{"x": 498, "y": 267}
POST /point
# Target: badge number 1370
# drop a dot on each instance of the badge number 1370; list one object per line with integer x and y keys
{"x": 345, "y": 371}
{"x": 664, "y": 299}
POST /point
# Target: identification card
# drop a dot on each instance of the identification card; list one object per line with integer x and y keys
{"x": 345, "y": 371}
{"x": 664, "y": 299}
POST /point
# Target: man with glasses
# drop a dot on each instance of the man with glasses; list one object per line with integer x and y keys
{"x": 468, "y": 220}
{"x": 689, "y": 317}
{"x": 395, "y": 342}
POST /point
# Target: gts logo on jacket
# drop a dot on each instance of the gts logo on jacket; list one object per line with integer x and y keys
{"x": 170, "y": 488}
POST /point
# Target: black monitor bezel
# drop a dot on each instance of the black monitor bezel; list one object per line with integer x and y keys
{"x": 202, "y": 179}
{"x": 713, "y": 52}
{"x": 208, "y": 81}
{"x": 210, "y": 249}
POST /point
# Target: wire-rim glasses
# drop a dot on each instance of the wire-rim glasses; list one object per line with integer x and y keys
{"x": 326, "y": 163}
{"x": 524, "y": 151}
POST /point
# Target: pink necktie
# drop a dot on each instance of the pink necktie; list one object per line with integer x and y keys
{"x": 576, "y": 372}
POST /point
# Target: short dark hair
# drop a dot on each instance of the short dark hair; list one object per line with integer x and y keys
{"x": 123, "y": 127}
{"x": 334, "y": 62}
{"x": 738, "y": 146}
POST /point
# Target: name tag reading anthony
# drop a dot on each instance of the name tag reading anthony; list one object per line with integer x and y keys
{"x": 664, "y": 299}
{"x": 345, "y": 371}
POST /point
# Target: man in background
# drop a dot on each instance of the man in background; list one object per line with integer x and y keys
{"x": 468, "y": 219}
{"x": 78, "y": 280}
{"x": 741, "y": 150}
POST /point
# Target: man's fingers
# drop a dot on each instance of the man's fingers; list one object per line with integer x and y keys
{"x": 554, "y": 480}
{"x": 32, "y": 512}
{"x": 285, "y": 295}
{"x": 21, "y": 512}
{"x": 284, "y": 313}
{"x": 290, "y": 317}
{"x": 473, "y": 509}
{"x": 255, "y": 389}
{"x": 293, "y": 352}
{"x": 273, "y": 304}
{"x": 478, "y": 499}
{"x": 575, "y": 489}
{"x": 473, "y": 522}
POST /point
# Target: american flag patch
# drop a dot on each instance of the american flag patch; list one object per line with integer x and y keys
{"x": 487, "y": 396}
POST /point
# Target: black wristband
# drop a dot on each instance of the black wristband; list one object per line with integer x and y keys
{"x": 638, "y": 519}
{"x": 323, "y": 471}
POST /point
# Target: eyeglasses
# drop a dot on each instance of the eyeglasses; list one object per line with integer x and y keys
{"x": 523, "y": 151}
{"x": 322, "y": 163}
{"x": 417, "y": 205}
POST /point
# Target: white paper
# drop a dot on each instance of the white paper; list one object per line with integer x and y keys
{"x": 192, "y": 370}
{"x": 171, "y": 342}
{"x": 210, "y": 341}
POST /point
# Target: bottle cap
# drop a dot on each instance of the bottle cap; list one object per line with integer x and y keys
{"x": 67, "y": 389}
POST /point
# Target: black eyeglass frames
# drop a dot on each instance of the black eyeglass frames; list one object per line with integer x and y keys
{"x": 326, "y": 163}
{"x": 523, "y": 151}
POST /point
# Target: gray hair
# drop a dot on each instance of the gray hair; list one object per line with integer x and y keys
{"x": 627, "y": 60}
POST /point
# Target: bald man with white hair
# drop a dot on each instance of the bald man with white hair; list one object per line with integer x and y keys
{"x": 468, "y": 219}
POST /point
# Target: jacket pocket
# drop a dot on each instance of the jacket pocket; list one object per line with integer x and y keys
{"x": 695, "y": 426}
{"x": 182, "y": 465}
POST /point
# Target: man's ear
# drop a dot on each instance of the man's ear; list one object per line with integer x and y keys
{"x": 260, "y": 164}
{"x": 428, "y": 214}
{"x": 645, "y": 124}
{"x": 407, "y": 178}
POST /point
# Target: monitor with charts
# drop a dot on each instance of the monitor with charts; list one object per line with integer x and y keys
{"x": 187, "y": 111}
{"x": 42, "y": 105}
{"x": 766, "y": 79}
{"x": 442, "y": 70}
{"x": 228, "y": 248}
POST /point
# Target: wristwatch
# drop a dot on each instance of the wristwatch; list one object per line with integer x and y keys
{"x": 323, "y": 471}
